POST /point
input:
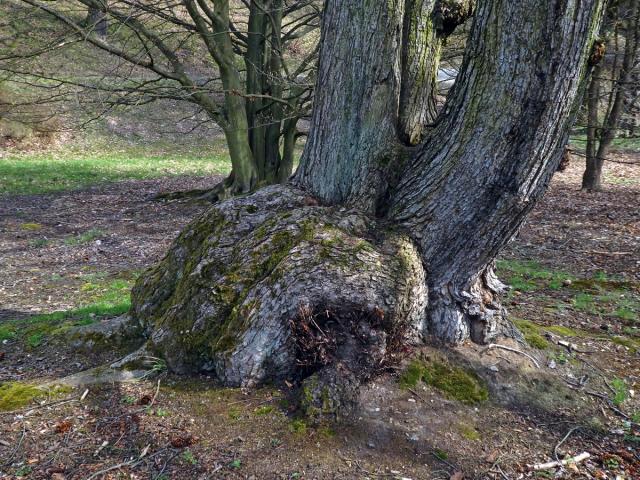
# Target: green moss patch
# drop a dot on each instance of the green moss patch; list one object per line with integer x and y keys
{"x": 14, "y": 395}
{"x": 454, "y": 382}
{"x": 531, "y": 333}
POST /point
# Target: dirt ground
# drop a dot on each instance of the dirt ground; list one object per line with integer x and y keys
{"x": 575, "y": 269}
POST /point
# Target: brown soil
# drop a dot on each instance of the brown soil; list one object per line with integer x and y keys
{"x": 189, "y": 428}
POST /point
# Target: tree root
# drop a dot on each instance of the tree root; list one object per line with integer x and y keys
{"x": 223, "y": 190}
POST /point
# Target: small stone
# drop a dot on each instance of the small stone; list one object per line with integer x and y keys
{"x": 412, "y": 400}
{"x": 552, "y": 364}
{"x": 493, "y": 368}
{"x": 371, "y": 445}
{"x": 567, "y": 282}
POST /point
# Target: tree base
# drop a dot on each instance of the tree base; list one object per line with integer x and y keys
{"x": 274, "y": 287}
{"x": 228, "y": 296}
{"x": 223, "y": 190}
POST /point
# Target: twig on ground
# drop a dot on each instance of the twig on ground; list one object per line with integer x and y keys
{"x": 514, "y": 350}
{"x": 561, "y": 463}
{"x": 607, "y": 402}
{"x": 416, "y": 394}
{"x": 564, "y": 439}
{"x": 15, "y": 450}
{"x": 131, "y": 463}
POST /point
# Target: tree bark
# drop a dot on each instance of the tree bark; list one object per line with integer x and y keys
{"x": 470, "y": 185}
{"x": 353, "y": 140}
{"x": 427, "y": 24}
{"x": 303, "y": 281}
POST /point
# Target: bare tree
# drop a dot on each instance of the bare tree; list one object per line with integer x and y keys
{"x": 605, "y": 109}
{"x": 245, "y": 79}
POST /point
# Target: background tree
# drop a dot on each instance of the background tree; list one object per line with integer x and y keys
{"x": 612, "y": 87}
{"x": 377, "y": 243}
{"x": 247, "y": 81}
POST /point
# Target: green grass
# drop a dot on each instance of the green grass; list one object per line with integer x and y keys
{"x": 630, "y": 144}
{"x": 103, "y": 300}
{"x": 78, "y": 167}
{"x": 530, "y": 276}
{"x": 598, "y": 295}
{"x": 84, "y": 237}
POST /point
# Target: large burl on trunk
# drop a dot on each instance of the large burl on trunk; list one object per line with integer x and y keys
{"x": 377, "y": 242}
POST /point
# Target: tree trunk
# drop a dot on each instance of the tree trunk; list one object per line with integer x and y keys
{"x": 592, "y": 178}
{"x": 303, "y": 282}
{"x": 427, "y": 24}
{"x": 472, "y": 182}
{"x": 592, "y": 174}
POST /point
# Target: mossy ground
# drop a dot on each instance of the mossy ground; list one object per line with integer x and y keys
{"x": 15, "y": 395}
{"x": 104, "y": 297}
{"x": 452, "y": 381}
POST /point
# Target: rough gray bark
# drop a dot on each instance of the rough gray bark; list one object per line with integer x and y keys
{"x": 427, "y": 25}
{"x": 280, "y": 285}
{"x": 353, "y": 140}
{"x": 225, "y": 296}
{"x": 470, "y": 185}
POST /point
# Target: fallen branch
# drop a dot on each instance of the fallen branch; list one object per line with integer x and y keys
{"x": 561, "y": 463}
{"x": 131, "y": 463}
{"x": 514, "y": 350}
{"x": 559, "y": 444}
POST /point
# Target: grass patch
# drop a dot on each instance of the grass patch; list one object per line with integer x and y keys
{"x": 264, "y": 410}
{"x": 454, "y": 382}
{"x": 530, "y": 276}
{"x": 620, "y": 388}
{"x": 298, "y": 426}
{"x": 86, "y": 237}
{"x": 625, "y": 144}
{"x": 77, "y": 166}
{"x": 631, "y": 344}
{"x": 469, "y": 432}
{"x": 109, "y": 299}
{"x": 598, "y": 295}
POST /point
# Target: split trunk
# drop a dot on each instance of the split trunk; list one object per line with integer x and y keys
{"x": 376, "y": 242}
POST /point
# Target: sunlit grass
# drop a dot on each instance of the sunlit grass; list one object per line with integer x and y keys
{"x": 105, "y": 299}
{"x": 78, "y": 167}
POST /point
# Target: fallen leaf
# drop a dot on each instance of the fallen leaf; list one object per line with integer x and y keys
{"x": 182, "y": 441}
{"x": 63, "y": 427}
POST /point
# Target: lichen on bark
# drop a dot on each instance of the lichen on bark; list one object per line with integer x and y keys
{"x": 228, "y": 294}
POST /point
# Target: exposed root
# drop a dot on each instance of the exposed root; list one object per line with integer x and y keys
{"x": 223, "y": 190}
{"x": 475, "y": 312}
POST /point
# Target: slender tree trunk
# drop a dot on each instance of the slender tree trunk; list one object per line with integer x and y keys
{"x": 427, "y": 24}
{"x": 255, "y": 81}
{"x": 233, "y": 119}
{"x": 592, "y": 178}
{"x": 592, "y": 175}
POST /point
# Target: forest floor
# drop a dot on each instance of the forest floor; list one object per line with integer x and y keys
{"x": 69, "y": 258}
